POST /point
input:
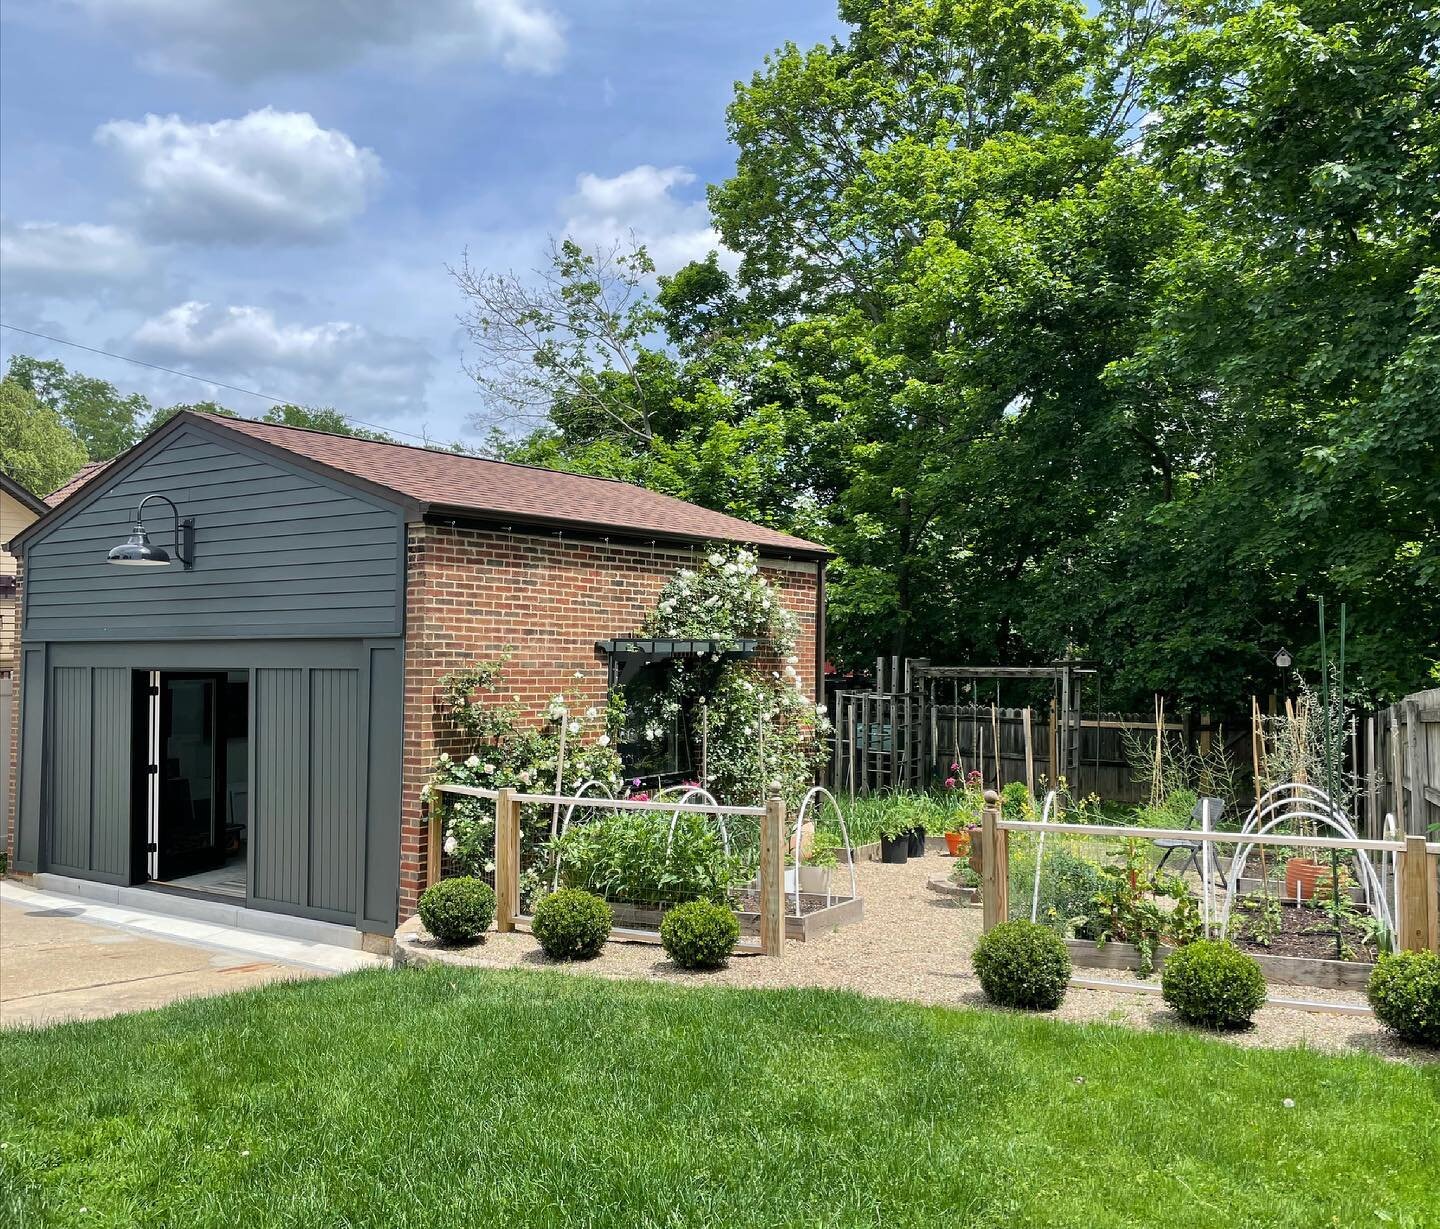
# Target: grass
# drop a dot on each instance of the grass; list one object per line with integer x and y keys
{"x": 450, "y": 1097}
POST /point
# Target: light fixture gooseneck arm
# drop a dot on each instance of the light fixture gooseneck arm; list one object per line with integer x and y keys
{"x": 180, "y": 541}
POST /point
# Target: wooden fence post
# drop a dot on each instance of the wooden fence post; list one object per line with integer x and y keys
{"x": 1415, "y": 873}
{"x": 1029, "y": 753}
{"x": 507, "y": 861}
{"x": 995, "y": 878}
{"x": 772, "y": 874}
{"x": 433, "y": 849}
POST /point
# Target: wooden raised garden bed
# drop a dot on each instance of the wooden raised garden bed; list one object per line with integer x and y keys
{"x": 638, "y": 924}
{"x": 1282, "y": 970}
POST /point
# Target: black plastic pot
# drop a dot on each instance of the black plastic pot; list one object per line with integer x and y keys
{"x": 895, "y": 850}
{"x": 917, "y": 842}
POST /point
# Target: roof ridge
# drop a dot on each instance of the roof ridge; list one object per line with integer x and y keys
{"x": 439, "y": 452}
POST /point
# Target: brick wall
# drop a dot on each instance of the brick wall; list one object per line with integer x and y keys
{"x": 471, "y": 593}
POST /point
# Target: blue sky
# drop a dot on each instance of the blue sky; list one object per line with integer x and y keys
{"x": 267, "y": 194}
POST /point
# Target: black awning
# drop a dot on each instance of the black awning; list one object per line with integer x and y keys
{"x": 629, "y": 655}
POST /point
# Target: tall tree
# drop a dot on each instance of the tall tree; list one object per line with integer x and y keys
{"x": 37, "y": 449}
{"x": 106, "y": 421}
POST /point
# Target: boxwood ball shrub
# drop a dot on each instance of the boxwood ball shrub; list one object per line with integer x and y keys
{"x": 699, "y": 934}
{"x": 1212, "y": 983}
{"x": 1404, "y": 993}
{"x": 571, "y": 924}
{"x": 457, "y": 910}
{"x": 1023, "y": 964}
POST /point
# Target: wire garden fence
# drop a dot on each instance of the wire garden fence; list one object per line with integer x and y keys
{"x": 646, "y": 856}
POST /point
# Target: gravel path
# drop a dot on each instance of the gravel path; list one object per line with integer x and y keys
{"x": 915, "y": 944}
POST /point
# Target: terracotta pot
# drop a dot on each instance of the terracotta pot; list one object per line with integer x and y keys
{"x": 1301, "y": 873}
{"x": 977, "y": 857}
{"x": 952, "y": 843}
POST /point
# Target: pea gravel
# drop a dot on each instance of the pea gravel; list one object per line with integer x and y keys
{"x": 915, "y": 944}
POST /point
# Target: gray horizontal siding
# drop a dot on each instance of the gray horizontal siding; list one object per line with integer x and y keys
{"x": 279, "y": 551}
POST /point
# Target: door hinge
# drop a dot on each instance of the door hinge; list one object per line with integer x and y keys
{"x": 152, "y": 848}
{"x": 152, "y": 769}
{"x": 152, "y": 691}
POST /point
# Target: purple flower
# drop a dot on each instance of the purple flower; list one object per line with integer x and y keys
{"x": 635, "y": 782}
{"x": 949, "y": 782}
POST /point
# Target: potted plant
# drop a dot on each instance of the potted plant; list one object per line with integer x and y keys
{"x": 895, "y": 836}
{"x": 957, "y": 838}
{"x": 1301, "y": 875}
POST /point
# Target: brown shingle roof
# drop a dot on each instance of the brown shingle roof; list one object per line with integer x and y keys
{"x": 448, "y": 482}
{"x": 77, "y": 480}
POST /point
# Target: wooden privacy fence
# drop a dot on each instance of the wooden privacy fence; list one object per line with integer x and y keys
{"x": 1417, "y": 865}
{"x": 508, "y": 805}
{"x": 1398, "y": 751}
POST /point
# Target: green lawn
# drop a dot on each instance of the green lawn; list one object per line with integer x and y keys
{"x": 454, "y": 1098}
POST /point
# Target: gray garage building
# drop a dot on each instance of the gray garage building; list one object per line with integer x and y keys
{"x": 217, "y": 706}
{"x": 222, "y": 727}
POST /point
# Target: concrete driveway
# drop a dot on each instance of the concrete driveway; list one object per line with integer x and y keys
{"x": 58, "y": 962}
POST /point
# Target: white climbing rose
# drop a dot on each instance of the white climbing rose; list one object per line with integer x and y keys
{"x": 473, "y": 762}
{"x": 451, "y": 844}
{"x": 603, "y": 741}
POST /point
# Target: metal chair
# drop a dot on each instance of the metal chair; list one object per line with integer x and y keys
{"x": 1195, "y": 849}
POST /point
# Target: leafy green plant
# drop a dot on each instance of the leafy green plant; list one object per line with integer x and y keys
{"x": 964, "y": 874}
{"x": 1260, "y": 918}
{"x": 1404, "y": 993}
{"x": 457, "y": 910}
{"x": 1130, "y": 910}
{"x": 636, "y": 856}
{"x": 1023, "y": 964}
{"x": 823, "y": 847}
{"x": 1212, "y": 983}
{"x": 1017, "y": 802}
{"x": 571, "y": 924}
{"x": 699, "y": 934}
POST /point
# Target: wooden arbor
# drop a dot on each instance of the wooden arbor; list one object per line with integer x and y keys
{"x": 896, "y": 737}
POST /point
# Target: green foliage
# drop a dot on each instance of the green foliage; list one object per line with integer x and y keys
{"x": 1023, "y": 964}
{"x": 105, "y": 421}
{"x": 699, "y": 934}
{"x": 1070, "y": 885}
{"x": 37, "y": 449}
{"x": 321, "y": 418}
{"x": 1259, "y": 918}
{"x": 1213, "y": 984}
{"x": 1017, "y": 802}
{"x": 636, "y": 856}
{"x": 1404, "y": 993}
{"x": 1129, "y": 908}
{"x": 457, "y": 910}
{"x": 571, "y": 924}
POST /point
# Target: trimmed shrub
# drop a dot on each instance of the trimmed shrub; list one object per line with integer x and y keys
{"x": 1023, "y": 964}
{"x": 571, "y": 924}
{"x": 1211, "y": 982}
{"x": 699, "y": 934}
{"x": 1404, "y": 993}
{"x": 457, "y": 910}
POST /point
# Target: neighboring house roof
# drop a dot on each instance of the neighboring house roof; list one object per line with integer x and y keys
{"x": 447, "y": 483}
{"x": 22, "y": 495}
{"x": 80, "y": 477}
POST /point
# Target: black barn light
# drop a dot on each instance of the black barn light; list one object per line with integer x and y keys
{"x": 139, "y": 552}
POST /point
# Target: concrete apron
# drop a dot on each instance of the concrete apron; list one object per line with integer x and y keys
{"x": 66, "y": 958}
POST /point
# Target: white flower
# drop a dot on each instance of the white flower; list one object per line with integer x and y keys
{"x": 490, "y": 769}
{"x": 489, "y": 867}
{"x": 793, "y": 660}
{"x": 444, "y": 757}
{"x": 451, "y": 844}
{"x": 591, "y": 713}
{"x": 425, "y": 792}
{"x": 573, "y": 727}
{"x": 473, "y": 762}
{"x": 716, "y": 559}
{"x": 789, "y": 672}
{"x": 603, "y": 741}
{"x": 526, "y": 777}
{"x": 820, "y": 709}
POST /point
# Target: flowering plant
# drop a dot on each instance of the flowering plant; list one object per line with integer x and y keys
{"x": 503, "y": 753}
{"x": 725, "y": 599}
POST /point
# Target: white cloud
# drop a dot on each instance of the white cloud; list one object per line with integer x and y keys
{"x": 244, "y": 40}
{"x": 44, "y": 259}
{"x": 268, "y": 176}
{"x": 641, "y": 200}
{"x": 337, "y": 362}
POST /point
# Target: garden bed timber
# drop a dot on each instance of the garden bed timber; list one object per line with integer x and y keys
{"x": 1279, "y": 970}
{"x": 818, "y": 914}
